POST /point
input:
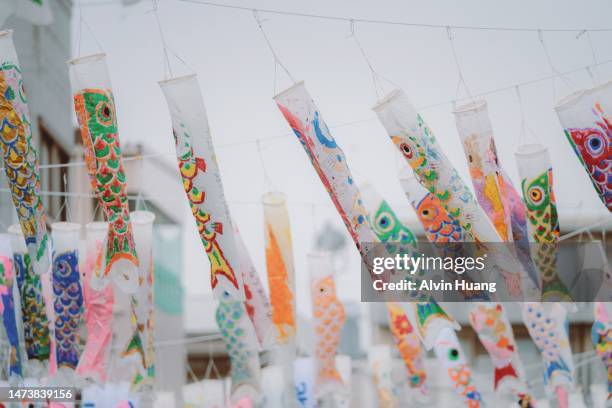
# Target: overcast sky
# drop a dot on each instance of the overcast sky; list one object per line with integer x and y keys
{"x": 236, "y": 71}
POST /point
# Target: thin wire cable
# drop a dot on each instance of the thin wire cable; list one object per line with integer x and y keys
{"x": 587, "y": 35}
{"x": 265, "y": 36}
{"x": 389, "y": 22}
{"x": 461, "y": 80}
{"x": 552, "y": 67}
{"x": 163, "y": 41}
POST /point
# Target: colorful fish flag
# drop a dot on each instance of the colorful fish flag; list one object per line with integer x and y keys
{"x": 7, "y": 309}
{"x": 418, "y": 145}
{"x": 98, "y": 315}
{"x": 380, "y": 362}
{"x": 587, "y": 125}
{"x": 601, "y": 335}
{"x": 549, "y": 329}
{"x": 142, "y": 308}
{"x": 242, "y": 347}
{"x": 202, "y": 183}
{"x": 329, "y": 161}
{"x": 257, "y": 304}
{"x": 448, "y": 351}
{"x": 328, "y": 319}
{"x": 33, "y": 311}
{"x": 20, "y": 156}
{"x": 67, "y": 296}
{"x": 94, "y": 105}
{"x": 536, "y": 175}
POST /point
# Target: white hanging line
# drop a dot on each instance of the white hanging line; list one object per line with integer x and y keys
{"x": 376, "y": 77}
{"x": 80, "y": 24}
{"x": 569, "y": 84}
{"x": 524, "y": 128}
{"x": 461, "y": 79}
{"x": 259, "y": 22}
{"x": 390, "y": 22}
{"x": 165, "y": 58}
{"x": 267, "y": 180}
{"x": 587, "y": 35}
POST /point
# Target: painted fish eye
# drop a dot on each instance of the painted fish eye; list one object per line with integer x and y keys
{"x": 536, "y": 195}
{"x": 385, "y": 222}
{"x": 595, "y": 144}
{"x": 429, "y": 213}
{"x": 104, "y": 113}
{"x": 407, "y": 150}
{"x": 453, "y": 354}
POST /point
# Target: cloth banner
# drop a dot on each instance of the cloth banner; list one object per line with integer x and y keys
{"x": 328, "y": 319}
{"x": 586, "y": 122}
{"x": 242, "y": 346}
{"x": 94, "y": 105}
{"x": 202, "y": 182}
{"x": 33, "y": 311}
{"x": 549, "y": 329}
{"x": 20, "y": 157}
{"x": 379, "y": 359}
{"x": 279, "y": 263}
{"x": 329, "y": 161}
{"x": 37, "y": 12}
{"x": 416, "y": 142}
{"x": 304, "y": 378}
{"x": 491, "y": 324}
{"x": 98, "y": 307}
{"x": 449, "y": 352}
{"x": 67, "y": 298}
{"x": 8, "y": 311}
{"x": 601, "y": 334}
{"x": 536, "y": 176}
{"x": 409, "y": 346}
{"x": 142, "y": 307}
{"x": 256, "y": 301}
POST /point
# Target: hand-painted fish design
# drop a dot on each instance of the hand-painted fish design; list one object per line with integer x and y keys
{"x": 35, "y": 323}
{"x": 21, "y": 165}
{"x": 9, "y": 319}
{"x": 409, "y": 346}
{"x": 601, "y": 335}
{"x": 328, "y": 317}
{"x": 68, "y": 307}
{"x": 593, "y": 146}
{"x": 95, "y": 111}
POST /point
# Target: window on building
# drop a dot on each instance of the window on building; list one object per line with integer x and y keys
{"x": 52, "y": 179}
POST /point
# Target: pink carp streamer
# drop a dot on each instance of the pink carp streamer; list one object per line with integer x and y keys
{"x": 202, "y": 184}
{"x": 585, "y": 117}
{"x": 329, "y": 162}
{"x": 328, "y": 318}
{"x": 601, "y": 334}
{"x": 98, "y": 308}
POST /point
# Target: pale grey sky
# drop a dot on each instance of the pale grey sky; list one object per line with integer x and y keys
{"x": 236, "y": 72}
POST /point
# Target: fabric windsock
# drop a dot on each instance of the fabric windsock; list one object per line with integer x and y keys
{"x": 450, "y": 354}
{"x": 94, "y": 105}
{"x": 329, "y": 161}
{"x": 241, "y": 343}
{"x": 8, "y": 311}
{"x": 601, "y": 334}
{"x": 549, "y": 329}
{"x": 202, "y": 183}
{"x": 536, "y": 176}
{"x": 98, "y": 307}
{"x": 139, "y": 348}
{"x": 20, "y": 157}
{"x": 417, "y": 144}
{"x": 37, "y": 12}
{"x": 328, "y": 319}
{"x": 304, "y": 378}
{"x": 588, "y": 128}
{"x": 67, "y": 295}
{"x": 379, "y": 360}
{"x": 33, "y": 311}
{"x": 257, "y": 304}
